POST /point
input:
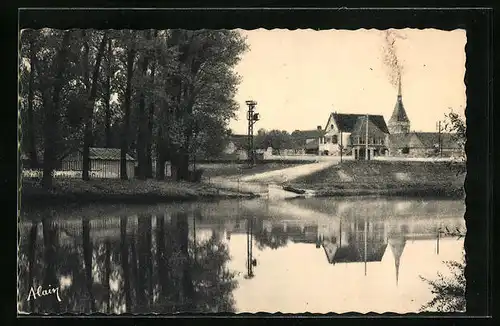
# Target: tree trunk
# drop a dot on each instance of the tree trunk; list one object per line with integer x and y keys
{"x": 50, "y": 126}
{"x": 126, "y": 122}
{"x": 107, "y": 264}
{"x": 187, "y": 283}
{"x": 124, "y": 249}
{"x": 149, "y": 139}
{"x": 92, "y": 93}
{"x": 107, "y": 99}
{"x": 144, "y": 250}
{"x": 50, "y": 278}
{"x": 135, "y": 276}
{"x": 143, "y": 126}
{"x": 161, "y": 257}
{"x": 87, "y": 256}
{"x": 30, "y": 124}
{"x": 32, "y": 259}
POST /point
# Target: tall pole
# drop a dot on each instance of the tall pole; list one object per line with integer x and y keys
{"x": 437, "y": 241}
{"x": 249, "y": 247}
{"x": 252, "y": 118}
{"x": 366, "y": 240}
{"x": 366, "y": 145}
{"x": 341, "y": 147}
{"x": 439, "y": 139}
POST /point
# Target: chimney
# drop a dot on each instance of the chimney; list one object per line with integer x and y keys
{"x": 319, "y": 128}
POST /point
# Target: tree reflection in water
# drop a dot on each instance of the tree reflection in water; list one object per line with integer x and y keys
{"x": 276, "y": 238}
{"x": 140, "y": 271}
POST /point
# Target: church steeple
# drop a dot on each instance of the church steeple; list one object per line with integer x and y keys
{"x": 399, "y": 122}
{"x": 397, "y": 247}
{"x": 399, "y": 88}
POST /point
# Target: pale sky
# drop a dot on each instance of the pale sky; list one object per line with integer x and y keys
{"x": 299, "y": 77}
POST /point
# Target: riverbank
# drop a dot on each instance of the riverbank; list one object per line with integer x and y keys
{"x": 213, "y": 170}
{"x": 77, "y": 191}
{"x": 361, "y": 178}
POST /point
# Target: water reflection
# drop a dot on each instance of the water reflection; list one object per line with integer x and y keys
{"x": 167, "y": 259}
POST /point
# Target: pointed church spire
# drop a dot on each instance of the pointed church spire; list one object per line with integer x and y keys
{"x": 399, "y": 122}
{"x": 399, "y": 87}
{"x": 396, "y": 262}
{"x": 397, "y": 247}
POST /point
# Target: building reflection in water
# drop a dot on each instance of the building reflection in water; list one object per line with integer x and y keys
{"x": 175, "y": 261}
{"x": 138, "y": 264}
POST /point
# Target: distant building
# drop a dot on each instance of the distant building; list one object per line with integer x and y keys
{"x": 348, "y": 132}
{"x": 104, "y": 162}
{"x": 403, "y": 142}
{"x": 399, "y": 122}
{"x": 424, "y": 144}
{"x": 236, "y": 147}
{"x": 307, "y": 141}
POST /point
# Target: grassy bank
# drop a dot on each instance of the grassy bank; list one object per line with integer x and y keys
{"x": 416, "y": 179}
{"x": 241, "y": 169}
{"x": 67, "y": 191}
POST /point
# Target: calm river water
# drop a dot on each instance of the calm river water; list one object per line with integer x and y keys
{"x": 303, "y": 255}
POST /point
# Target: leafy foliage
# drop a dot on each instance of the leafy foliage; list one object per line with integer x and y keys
{"x": 456, "y": 125}
{"x": 170, "y": 92}
{"x": 448, "y": 291}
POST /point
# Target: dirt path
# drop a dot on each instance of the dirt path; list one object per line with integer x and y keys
{"x": 288, "y": 174}
{"x": 259, "y": 183}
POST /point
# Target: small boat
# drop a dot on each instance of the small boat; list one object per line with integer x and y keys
{"x": 277, "y": 192}
{"x": 294, "y": 190}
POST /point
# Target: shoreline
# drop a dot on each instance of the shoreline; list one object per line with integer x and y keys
{"x": 106, "y": 191}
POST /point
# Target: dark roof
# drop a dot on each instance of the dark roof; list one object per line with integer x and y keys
{"x": 399, "y": 140}
{"x": 346, "y": 122}
{"x": 308, "y": 134}
{"x": 312, "y": 144}
{"x": 110, "y": 154}
{"x": 240, "y": 141}
{"x": 399, "y": 112}
{"x": 107, "y": 154}
{"x": 429, "y": 139}
{"x": 353, "y": 253}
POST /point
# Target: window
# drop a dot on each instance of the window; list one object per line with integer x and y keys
{"x": 362, "y": 140}
{"x": 334, "y": 139}
{"x": 405, "y": 150}
{"x": 331, "y": 126}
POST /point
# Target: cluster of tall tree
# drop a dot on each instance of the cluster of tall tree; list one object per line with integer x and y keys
{"x": 161, "y": 94}
{"x": 280, "y": 139}
{"x": 160, "y": 269}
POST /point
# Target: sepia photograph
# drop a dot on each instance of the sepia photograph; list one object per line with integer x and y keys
{"x": 169, "y": 171}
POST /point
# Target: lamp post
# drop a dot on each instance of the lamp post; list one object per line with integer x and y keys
{"x": 252, "y": 117}
{"x": 438, "y": 126}
{"x": 366, "y": 146}
{"x": 251, "y": 262}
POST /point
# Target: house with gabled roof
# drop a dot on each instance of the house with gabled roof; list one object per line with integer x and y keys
{"x": 348, "y": 133}
{"x": 424, "y": 144}
{"x": 307, "y": 140}
{"x": 104, "y": 162}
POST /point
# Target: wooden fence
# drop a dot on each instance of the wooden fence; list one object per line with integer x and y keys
{"x": 99, "y": 169}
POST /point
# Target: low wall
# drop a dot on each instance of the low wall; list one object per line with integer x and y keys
{"x": 305, "y": 157}
{"x": 416, "y": 159}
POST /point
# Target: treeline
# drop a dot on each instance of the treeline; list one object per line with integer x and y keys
{"x": 163, "y": 94}
{"x": 281, "y": 139}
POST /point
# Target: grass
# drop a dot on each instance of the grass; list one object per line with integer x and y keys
{"x": 70, "y": 190}
{"x": 385, "y": 178}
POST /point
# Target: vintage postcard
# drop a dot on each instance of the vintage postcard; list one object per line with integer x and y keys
{"x": 216, "y": 171}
